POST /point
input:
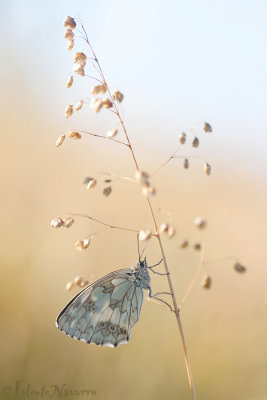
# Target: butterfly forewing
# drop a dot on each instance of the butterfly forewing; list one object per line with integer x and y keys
{"x": 105, "y": 312}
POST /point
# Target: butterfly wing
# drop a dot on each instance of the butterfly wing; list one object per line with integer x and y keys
{"x": 105, "y": 312}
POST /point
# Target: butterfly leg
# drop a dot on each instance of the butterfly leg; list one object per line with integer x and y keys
{"x": 154, "y": 296}
{"x": 158, "y": 273}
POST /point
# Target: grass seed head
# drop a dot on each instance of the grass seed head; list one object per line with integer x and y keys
{"x": 70, "y": 45}
{"x": 78, "y": 69}
{"x": 69, "y": 286}
{"x": 197, "y": 246}
{"x": 112, "y": 133}
{"x": 184, "y": 244}
{"x": 69, "y": 22}
{"x": 60, "y": 140}
{"x": 206, "y": 282}
{"x": 96, "y": 104}
{"x": 144, "y": 235}
{"x": 207, "y": 127}
{"x": 207, "y": 169}
{"x": 74, "y": 135}
{"x": 82, "y": 244}
{"x": 57, "y": 222}
{"x": 78, "y": 280}
{"x": 239, "y": 268}
{"x": 171, "y": 232}
{"x": 148, "y": 191}
{"x": 200, "y": 222}
{"x": 91, "y": 184}
{"x": 99, "y": 89}
{"x": 68, "y": 222}
{"x": 142, "y": 177}
{"x": 182, "y": 138}
{"x": 79, "y": 58}
{"x": 107, "y": 191}
{"x": 69, "y": 35}
{"x": 164, "y": 228}
{"x": 68, "y": 111}
{"x": 118, "y": 96}
{"x": 107, "y": 103}
{"x": 79, "y": 105}
{"x": 186, "y": 163}
{"x": 195, "y": 142}
{"x": 69, "y": 81}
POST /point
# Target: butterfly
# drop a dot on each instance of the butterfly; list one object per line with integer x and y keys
{"x": 105, "y": 312}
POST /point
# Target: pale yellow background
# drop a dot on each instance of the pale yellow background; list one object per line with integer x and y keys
{"x": 177, "y": 65}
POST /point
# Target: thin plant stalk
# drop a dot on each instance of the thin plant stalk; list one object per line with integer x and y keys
{"x": 176, "y": 310}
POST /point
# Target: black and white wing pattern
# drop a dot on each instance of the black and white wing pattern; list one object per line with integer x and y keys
{"x": 105, "y": 312}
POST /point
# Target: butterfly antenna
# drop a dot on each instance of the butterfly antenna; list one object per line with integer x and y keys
{"x": 138, "y": 246}
{"x": 143, "y": 250}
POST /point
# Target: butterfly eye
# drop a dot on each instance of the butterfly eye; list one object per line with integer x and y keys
{"x": 112, "y": 328}
{"x": 102, "y": 325}
{"x": 120, "y": 330}
{"x": 91, "y": 302}
{"x": 125, "y": 331}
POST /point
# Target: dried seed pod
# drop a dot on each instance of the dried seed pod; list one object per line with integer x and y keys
{"x": 99, "y": 89}
{"x": 91, "y": 184}
{"x": 197, "y": 246}
{"x": 206, "y": 282}
{"x": 184, "y": 244}
{"x": 79, "y": 58}
{"x": 144, "y": 235}
{"x": 207, "y": 127}
{"x": 239, "y": 268}
{"x": 107, "y": 103}
{"x": 69, "y": 111}
{"x": 84, "y": 283}
{"x": 69, "y": 35}
{"x": 112, "y": 133}
{"x": 78, "y": 69}
{"x": 70, "y": 45}
{"x": 182, "y": 138}
{"x": 107, "y": 191}
{"x": 69, "y": 22}
{"x": 148, "y": 191}
{"x": 195, "y": 142}
{"x": 200, "y": 222}
{"x": 171, "y": 231}
{"x": 60, "y": 140}
{"x": 57, "y": 222}
{"x": 207, "y": 169}
{"x": 82, "y": 244}
{"x": 78, "y": 280}
{"x": 69, "y": 81}
{"x": 142, "y": 177}
{"x": 74, "y": 135}
{"x": 96, "y": 104}
{"x": 87, "y": 179}
{"x": 118, "y": 96}
{"x": 186, "y": 163}
{"x": 69, "y": 286}
{"x": 68, "y": 222}
{"x": 79, "y": 105}
{"x": 164, "y": 228}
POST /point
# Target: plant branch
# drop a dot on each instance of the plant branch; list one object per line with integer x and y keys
{"x": 104, "y": 223}
{"x": 104, "y": 137}
{"x": 177, "y": 312}
{"x": 166, "y": 162}
{"x": 190, "y": 287}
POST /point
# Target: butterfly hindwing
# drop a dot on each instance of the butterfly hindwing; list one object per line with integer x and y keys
{"x": 105, "y": 312}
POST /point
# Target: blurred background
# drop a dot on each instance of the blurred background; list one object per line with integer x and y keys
{"x": 178, "y": 64}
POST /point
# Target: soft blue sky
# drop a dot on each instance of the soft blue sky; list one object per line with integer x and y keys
{"x": 178, "y": 63}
